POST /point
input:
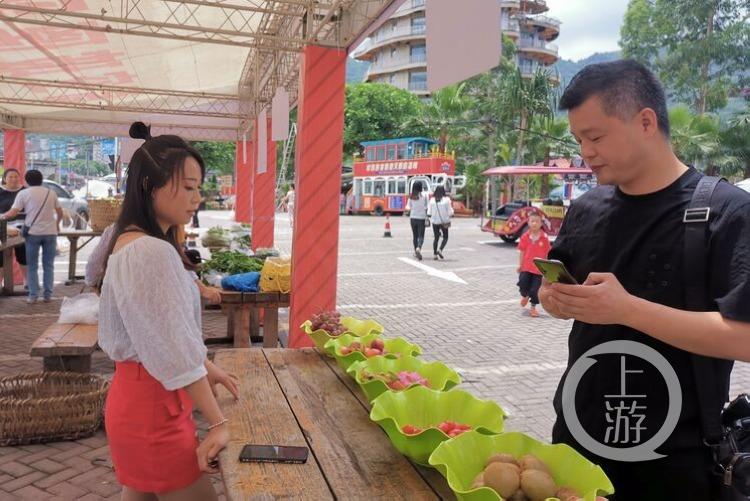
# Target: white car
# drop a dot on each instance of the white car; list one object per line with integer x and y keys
{"x": 96, "y": 188}
{"x": 75, "y": 207}
{"x": 745, "y": 185}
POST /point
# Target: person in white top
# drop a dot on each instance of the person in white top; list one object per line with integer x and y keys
{"x": 289, "y": 201}
{"x": 40, "y": 205}
{"x": 150, "y": 325}
{"x": 417, "y": 207}
{"x": 440, "y": 211}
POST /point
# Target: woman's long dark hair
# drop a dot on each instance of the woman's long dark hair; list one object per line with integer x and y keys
{"x": 439, "y": 193}
{"x": 416, "y": 190}
{"x": 154, "y": 164}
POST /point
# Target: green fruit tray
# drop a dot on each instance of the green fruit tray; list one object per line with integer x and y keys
{"x": 425, "y": 408}
{"x": 353, "y": 326}
{"x": 439, "y": 376}
{"x": 461, "y": 459}
{"x": 394, "y": 347}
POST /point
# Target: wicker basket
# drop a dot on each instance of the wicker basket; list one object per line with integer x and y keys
{"x": 50, "y": 406}
{"x": 103, "y": 212}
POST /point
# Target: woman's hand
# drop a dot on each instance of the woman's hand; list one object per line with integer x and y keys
{"x": 209, "y": 448}
{"x": 217, "y": 375}
{"x": 13, "y": 232}
{"x": 210, "y": 294}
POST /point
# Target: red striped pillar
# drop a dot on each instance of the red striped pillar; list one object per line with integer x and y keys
{"x": 243, "y": 210}
{"x": 317, "y": 186}
{"x": 14, "y": 145}
{"x": 264, "y": 197}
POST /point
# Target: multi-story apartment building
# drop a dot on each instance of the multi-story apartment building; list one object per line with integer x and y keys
{"x": 397, "y": 50}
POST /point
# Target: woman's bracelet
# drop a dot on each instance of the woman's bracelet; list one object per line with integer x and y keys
{"x": 216, "y": 425}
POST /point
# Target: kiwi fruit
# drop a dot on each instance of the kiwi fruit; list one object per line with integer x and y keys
{"x": 567, "y": 494}
{"x": 502, "y": 458}
{"x": 478, "y": 481}
{"x": 531, "y": 462}
{"x": 503, "y": 478}
{"x": 537, "y": 485}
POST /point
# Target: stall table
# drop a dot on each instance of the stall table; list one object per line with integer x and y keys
{"x": 300, "y": 398}
{"x": 73, "y": 236}
{"x": 6, "y": 247}
{"x": 243, "y": 316}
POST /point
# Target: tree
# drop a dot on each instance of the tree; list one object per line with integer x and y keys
{"x": 526, "y": 98}
{"x": 218, "y": 156}
{"x": 379, "y": 111}
{"x": 446, "y": 107}
{"x": 550, "y": 137}
{"x": 698, "y": 48}
{"x": 736, "y": 140}
{"x": 696, "y": 140}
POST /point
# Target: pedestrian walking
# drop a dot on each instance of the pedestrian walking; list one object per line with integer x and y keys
{"x": 440, "y": 211}
{"x": 417, "y": 207}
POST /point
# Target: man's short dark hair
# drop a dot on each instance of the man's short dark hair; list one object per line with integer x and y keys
{"x": 625, "y": 87}
{"x": 34, "y": 177}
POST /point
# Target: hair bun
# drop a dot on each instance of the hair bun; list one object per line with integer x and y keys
{"x": 139, "y": 130}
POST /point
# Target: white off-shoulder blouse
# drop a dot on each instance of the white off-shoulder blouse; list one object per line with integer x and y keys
{"x": 150, "y": 312}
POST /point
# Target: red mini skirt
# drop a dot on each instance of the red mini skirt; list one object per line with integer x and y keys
{"x": 151, "y": 432}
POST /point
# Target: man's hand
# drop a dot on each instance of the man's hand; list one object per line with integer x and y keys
{"x": 549, "y": 301}
{"x": 601, "y": 300}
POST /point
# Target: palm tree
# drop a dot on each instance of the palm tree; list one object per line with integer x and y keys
{"x": 696, "y": 139}
{"x": 526, "y": 98}
{"x": 550, "y": 136}
{"x": 446, "y": 107}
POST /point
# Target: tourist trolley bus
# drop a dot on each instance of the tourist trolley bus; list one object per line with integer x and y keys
{"x": 383, "y": 177}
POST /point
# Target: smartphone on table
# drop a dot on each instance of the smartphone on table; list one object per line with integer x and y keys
{"x": 554, "y": 271}
{"x": 273, "y": 454}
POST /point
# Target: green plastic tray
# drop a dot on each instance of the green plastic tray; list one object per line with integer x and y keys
{"x": 395, "y": 347}
{"x": 440, "y": 376}
{"x": 423, "y": 407}
{"x": 353, "y": 326}
{"x": 461, "y": 459}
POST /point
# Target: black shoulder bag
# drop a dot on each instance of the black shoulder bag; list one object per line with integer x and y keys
{"x": 727, "y": 433}
{"x": 25, "y": 229}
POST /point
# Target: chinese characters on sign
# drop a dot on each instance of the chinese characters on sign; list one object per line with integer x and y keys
{"x": 391, "y": 167}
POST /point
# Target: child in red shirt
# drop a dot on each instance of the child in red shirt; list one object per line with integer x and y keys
{"x": 534, "y": 243}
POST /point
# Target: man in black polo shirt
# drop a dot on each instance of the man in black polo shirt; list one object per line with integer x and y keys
{"x": 623, "y": 241}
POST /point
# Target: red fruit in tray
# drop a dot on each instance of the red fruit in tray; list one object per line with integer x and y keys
{"x": 397, "y": 385}
{"x": 372, "y": 352}
{"x": 411, "y": 429}
{"x": 446, "y": 427}
{"x": 355, "y": 346}
{"x": 378, "y": 344}
{"x": 454, "y": 432}
{"x": 345, "y": 350}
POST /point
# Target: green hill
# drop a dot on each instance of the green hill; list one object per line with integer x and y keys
{"x": 567, "y": 68}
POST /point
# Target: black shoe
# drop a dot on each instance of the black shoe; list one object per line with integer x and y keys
{"x": 440, "y": 253}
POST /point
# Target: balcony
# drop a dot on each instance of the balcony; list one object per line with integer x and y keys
{"x": 398, "y": 64}
{"x": 547, "y": 28}
{"x": 386, "y": 36}
{"x": 418, "y": 86}
{"x": 529, "y": 6}
{"x": 529, "y": 68}
{"x": 540, "y": 49}
{"x": 510, "y": 27}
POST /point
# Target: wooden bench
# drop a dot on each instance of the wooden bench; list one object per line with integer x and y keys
{"x": 67, "y": 347}
{"x": 298, "y": 398}
{"x": 243, "y": 311}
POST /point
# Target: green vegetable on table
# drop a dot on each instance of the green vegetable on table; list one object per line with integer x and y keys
{"x": 231, "y": 263}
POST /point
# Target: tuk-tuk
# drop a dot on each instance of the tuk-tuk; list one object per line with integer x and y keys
{"x": 509, "y": 220}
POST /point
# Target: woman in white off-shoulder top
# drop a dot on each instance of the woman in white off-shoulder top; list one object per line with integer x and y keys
{"x": 150, "y": 325}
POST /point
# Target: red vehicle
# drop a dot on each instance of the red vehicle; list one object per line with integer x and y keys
{"x": 383, "y": 178}
{"x": 509, "y": 221}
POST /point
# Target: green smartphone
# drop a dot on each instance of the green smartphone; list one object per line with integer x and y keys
{"x": 554, "y": 271}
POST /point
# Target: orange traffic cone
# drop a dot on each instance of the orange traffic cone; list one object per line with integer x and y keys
{"x": 387, "y": 233}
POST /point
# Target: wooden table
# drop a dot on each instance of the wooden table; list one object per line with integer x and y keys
{"x": 73, "y": 236}
{"x": 243, "y": 316}
{"x": 299, "y": 398}
{"x": 6, "y": 248}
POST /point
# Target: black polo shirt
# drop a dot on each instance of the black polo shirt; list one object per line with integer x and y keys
{"x": 640, "y": 240}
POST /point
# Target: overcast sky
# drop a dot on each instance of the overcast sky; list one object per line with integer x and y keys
{"x": 588, "y": 26}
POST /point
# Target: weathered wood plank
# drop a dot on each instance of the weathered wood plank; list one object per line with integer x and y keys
{"x": 262, "y": 416}
{"x": 357, "y": 459}
{"x": 270, "y": 327}
{"x": 431, "y": 476}
{"x": 66, "y": 339}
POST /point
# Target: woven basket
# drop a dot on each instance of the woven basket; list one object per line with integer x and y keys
{"x": 276, "y": 275}
{"x": 103, "y": 212}
{"x": 50, "y": 406}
